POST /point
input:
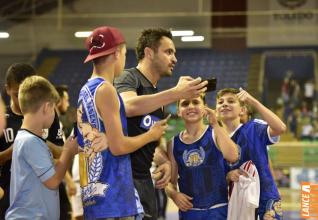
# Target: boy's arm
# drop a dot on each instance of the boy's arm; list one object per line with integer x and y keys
{"x": 144, "y": 104}
{"x": 1, "y": 193}
{"x": 276, "y": 125}
{"x": 171, "y": 189}
{"x": 118, "y": 143}
{"x": 2, "y": 115}
{"x": 222, "y": 139}
{"x": 70, "y": 148}
{"x": 6, "y": 155}
{"x": 70, "y": 184}
{"x": 162, "y": 174}
{"x": 56, "y": 150}
{"x": 160, "y": 155}
{"x": 182, "y": 200}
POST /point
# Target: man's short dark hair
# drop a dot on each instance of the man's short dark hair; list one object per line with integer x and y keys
{"x": 150, "y": 38}
{"x": 18, "y": 72}
{"x": 61, "y": 89}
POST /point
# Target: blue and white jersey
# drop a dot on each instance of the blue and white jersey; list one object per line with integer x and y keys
{"x": 252, "y": 139}
{"x": 106, "y": 180}
{"x": 201, "y": 170}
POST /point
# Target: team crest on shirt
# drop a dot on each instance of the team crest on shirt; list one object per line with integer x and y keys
{"x": 193, "y": 157}
{"x": 93, "y": 187}
{"x": 90, "y": 166}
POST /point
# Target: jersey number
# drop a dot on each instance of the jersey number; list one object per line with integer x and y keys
{"x": 8, "y": 135}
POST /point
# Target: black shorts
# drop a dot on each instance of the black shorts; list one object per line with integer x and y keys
{"x": 146, "y": 191}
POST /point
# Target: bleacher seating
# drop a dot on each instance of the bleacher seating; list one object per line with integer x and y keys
{"x": 229, "y": 68}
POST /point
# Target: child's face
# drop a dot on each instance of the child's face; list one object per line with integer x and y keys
{"x": 13, "y": 92}
{"x": 228, "y": 107}
{"x": 191, "y": 110}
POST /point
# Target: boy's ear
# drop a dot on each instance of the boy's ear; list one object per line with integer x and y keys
{"x": 116, "y": 54}
{"x": 45, "y": 107}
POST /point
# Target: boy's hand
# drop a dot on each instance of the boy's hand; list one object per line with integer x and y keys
{"x": 182, "y": 201}
{"x": 162, "y": 175}
{"x": 188, "y": 87}
{"x": 158, "y": 128}
{"x": 71, "y": 145}
{"x": 99, "y": 143}
{"x": 244, "y": 96}
{"x": 211, "y": 116}
{"x": 234, "y": 175}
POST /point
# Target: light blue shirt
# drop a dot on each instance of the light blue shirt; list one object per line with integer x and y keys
{"x": 32, "y": 164}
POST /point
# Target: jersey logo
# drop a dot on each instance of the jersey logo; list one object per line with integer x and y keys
{"x": 90, "y": 176}
{"x": 147, "y": 121}
{"x": 60, "y": 134}
{"x": 193, "y": 158}
{"x": 90, "y": 168}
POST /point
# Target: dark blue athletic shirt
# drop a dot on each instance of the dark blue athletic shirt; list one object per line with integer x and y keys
{"x": 201, "y": 170}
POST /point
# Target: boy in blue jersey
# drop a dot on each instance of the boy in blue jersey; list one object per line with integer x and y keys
{"x": 106, "y": 179}
{"x": 252, "y": 139}
{"x": 34, "y": 177}
{"x": 197, "y": 155}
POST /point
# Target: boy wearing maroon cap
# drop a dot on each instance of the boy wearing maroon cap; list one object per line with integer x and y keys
{"x": 106, "y": 179}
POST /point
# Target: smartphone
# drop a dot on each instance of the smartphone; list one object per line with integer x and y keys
{"x": 211, "y": 86}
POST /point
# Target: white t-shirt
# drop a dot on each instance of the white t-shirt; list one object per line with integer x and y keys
{"x": 245, "y": 195}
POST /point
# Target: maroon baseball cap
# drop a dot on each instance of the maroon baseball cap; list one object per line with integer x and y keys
{"x": 103, "y": 41}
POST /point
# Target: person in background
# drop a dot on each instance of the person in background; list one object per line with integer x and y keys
{"x": 68, "y": 183}
{"x": 15, "y": 75}
{"x": 2, "y": 126}
{"x": 35, "y": 177}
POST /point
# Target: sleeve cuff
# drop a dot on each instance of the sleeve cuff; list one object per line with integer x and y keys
{"x": 48, "y": 174}
{"x": 274, "y": 139}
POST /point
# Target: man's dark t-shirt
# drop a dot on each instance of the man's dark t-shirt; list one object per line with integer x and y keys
{"x": 133, "y": 80}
